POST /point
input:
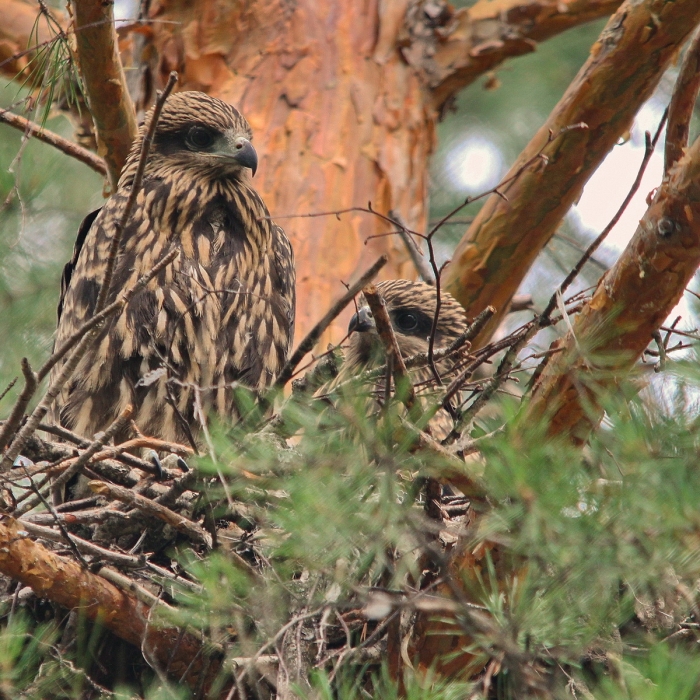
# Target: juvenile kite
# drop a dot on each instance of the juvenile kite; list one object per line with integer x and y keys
{"x": 221, "y": 314}
{"x": 411, "y": 308}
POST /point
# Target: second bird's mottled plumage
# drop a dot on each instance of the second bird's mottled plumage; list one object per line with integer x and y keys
{"x": 221, "y": 313}
{"x": 411, "y": 309}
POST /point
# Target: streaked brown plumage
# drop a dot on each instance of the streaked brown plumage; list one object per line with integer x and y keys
{"x": 411, "y": 308}
{"x": 222, "y": 313}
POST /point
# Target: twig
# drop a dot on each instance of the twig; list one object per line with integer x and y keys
{"x": 421, "y": 264}
{"x": 15, "y": 417}
{"x": 648, "y": 152}
{"x": 135, "y": 189}
{"x": 656, "y": 335}
{"x": 42, "y": 409}
{"x": 7, "y": 389}
{"x": 92, "y": 450}
{"x": 315, "y": 333}
{"x": 85, "y": 547}
{"x": 65, "y": 536}
{"x": 70, "y": 148}
{"x": 175, "y": 520}
{"x": 126, "y": 458}
{"x": 682, "y": 104}
{"x": 402, "y": 382}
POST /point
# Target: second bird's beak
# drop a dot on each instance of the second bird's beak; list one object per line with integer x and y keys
{"x": 362, "y": 321}
{"x": 243, "y": 153}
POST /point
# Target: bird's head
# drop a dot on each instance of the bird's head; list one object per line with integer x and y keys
{"x": 196, "y": 132}
{"x": 411, "y": 308}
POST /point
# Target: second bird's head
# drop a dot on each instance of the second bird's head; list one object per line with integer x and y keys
{"x": 411, "y": 308}
{"x": 200, "y": 133}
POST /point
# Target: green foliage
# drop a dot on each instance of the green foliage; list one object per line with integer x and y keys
{"x": 43, "y": 197}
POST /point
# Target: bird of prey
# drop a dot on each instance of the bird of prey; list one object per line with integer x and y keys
{"x": 411, "y": 309}
{"x": 221, "y": 314}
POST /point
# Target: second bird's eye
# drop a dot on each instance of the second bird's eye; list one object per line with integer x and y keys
{"x": 199, "y": 138}
{"x": 406, "y": 321}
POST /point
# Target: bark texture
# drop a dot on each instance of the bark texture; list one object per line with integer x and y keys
{"x": 625, "y": 65}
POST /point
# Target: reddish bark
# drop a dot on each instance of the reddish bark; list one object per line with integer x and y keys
{"x": 103, "y": 76}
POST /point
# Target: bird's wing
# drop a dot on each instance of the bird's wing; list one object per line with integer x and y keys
{"x": 70, "y": 266}
{"x": 286, "y": 279}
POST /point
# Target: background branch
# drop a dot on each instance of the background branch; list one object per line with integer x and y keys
{"x": 631, "y": 301}
{"x": 500, "y": 246}
{"x": 70, "y": 148}
{"x": 105, "y": 85}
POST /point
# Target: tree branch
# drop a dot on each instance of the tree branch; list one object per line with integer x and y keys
{"x": 62, "y": 581}
{"x": 70, "y": 148}
{"x": 631, "y": 301}
{"x": 621, "y": 73}
{"x": 103, "y": 76}
{"x": 682, "y": 104}
{"x": 474, "y": 40}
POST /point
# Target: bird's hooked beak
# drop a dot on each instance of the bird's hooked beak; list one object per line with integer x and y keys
{"x": 362, "y": 321}
{"x": 241, "y": 150}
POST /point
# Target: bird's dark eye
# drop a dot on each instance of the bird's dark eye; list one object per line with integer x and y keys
{"x": 199, "y": 138}
{"x": 406, "y": 321}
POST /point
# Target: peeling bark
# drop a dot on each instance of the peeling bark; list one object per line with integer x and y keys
{"x": 631, "y": 301}
{"x": 625, "y": 65}
{"x": 452, "y": 51}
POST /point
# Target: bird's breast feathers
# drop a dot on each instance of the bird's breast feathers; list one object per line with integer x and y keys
{"x": 221, "y": 313}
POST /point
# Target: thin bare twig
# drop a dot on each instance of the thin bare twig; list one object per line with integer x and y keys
{"x": 75, "y": 468}
{"x": 421, "y": 264}
{"x": 64, "y": 145}
{"x": 135, "y": 189}
{"x": 648, "y": 152}
{"x": 15, "y": 417}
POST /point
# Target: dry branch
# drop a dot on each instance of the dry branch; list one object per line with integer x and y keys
{"x": 70, "y": 148}
{"x": 631, "y": 301}
{"x": 146, "y": 505}
{"x": 625, "y": 64}
{"x": 103, "y": 76}
{"x": 62, "y": 581}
